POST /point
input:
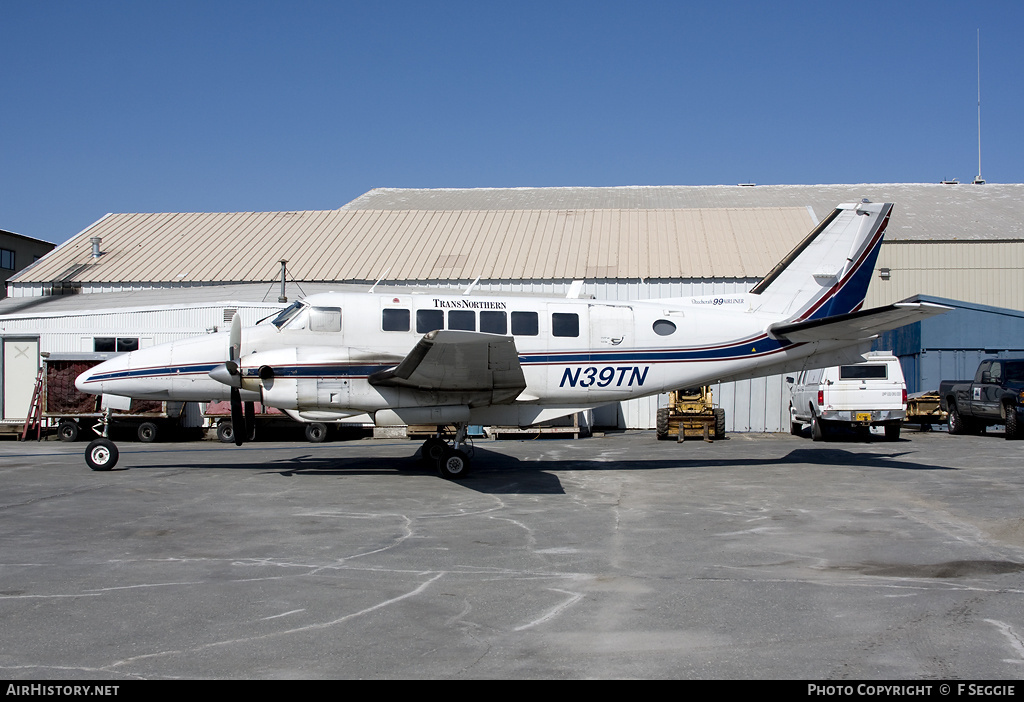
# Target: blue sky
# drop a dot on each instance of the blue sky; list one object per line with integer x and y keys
{"x": 261, "y": 106}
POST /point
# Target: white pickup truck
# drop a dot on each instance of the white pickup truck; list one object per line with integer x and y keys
{"x": 870, "y": 393}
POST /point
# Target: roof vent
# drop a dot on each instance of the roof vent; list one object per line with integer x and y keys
{"x": 95, "y": 241}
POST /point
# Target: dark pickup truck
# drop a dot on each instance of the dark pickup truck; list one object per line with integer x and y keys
{"x": 996, "y": 396}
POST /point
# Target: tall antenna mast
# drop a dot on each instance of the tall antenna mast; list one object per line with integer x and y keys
{"x": 978, "y": 179}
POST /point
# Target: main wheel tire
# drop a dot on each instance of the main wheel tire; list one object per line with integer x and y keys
{"x": 892, "y": 432}
{"x": 67, "y": 430}
{"x": 956, "y": 422}
{"x": 454, "y": 464}
{"x": 433, "y": 449}
{"x": 719, "y": 413}
{"x": 316, "y": 433}
{"x": 225, "y": 433}
{"x": 1013, "y": 427}
{"x": 101, "y": 454}
{"x": 148, "y": 432}
{"x": 662, "y": 422}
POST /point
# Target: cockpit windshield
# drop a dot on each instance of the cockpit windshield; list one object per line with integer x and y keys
{"x": 287, "y": 314}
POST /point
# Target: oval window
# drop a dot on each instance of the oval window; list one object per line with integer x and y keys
{"x": 663, "y": 327}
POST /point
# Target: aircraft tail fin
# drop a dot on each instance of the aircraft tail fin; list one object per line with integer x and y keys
{"x": 828, "y": 272}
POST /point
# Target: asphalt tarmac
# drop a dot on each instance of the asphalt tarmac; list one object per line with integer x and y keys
{"x": 756, "y": 557}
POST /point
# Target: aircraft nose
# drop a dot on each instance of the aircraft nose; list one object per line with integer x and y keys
{"x": 93, "y": 380}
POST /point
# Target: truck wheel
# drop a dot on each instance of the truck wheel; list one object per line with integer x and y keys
{"x": 956, "y": 422}
{"x": 225, "y": 433}
{"x": 147, "y": 432}
{"x": 795, "y": 428}
{"x": 316, "y": 433}
{"x": 1013, "y": 428}
{"x": 819, "y": 429}
{"x": 67, "y": 430}
{"x": 101, "y": 454}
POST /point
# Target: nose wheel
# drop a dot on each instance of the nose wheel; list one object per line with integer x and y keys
{"x": 101, "y": 454}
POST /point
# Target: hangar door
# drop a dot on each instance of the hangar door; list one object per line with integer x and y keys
{"x": 21, "y": 364}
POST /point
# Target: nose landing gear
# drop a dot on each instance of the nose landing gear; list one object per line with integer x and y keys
{"x": 101, "y": 453}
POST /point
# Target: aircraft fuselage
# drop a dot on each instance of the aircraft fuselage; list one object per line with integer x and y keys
{"x": 574, "y": 353}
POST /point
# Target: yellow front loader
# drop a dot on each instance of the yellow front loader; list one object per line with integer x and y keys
{"x": 691, "y": 413}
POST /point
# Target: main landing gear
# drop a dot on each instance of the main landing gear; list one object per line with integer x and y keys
{"x": 450, "y": 459}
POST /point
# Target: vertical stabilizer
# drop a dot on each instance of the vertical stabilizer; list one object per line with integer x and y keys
{"x": 829, "y": 271}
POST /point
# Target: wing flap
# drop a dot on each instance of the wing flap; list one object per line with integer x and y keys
{"x": 459, "y": 361}
{"x": 857, "y": 325}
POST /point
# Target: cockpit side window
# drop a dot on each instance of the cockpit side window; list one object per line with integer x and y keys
{"x": 325, "y": 319}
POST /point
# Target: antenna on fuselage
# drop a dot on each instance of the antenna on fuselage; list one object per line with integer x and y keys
{"x": 372, "y": 287}
{"x": 472, "y": 285}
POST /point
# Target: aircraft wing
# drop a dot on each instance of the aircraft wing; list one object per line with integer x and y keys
{"x": 857, "y": 325}
{"x": 459, "y": 361}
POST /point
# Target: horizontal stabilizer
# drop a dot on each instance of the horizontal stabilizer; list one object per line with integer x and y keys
{"x": 459, "y": 361}
{"x": 856, "y": 325}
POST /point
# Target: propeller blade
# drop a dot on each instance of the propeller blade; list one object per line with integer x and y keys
{"x": 235, "y": 340}
{"x": 237, "y": 417}
{"x": 250, "y": 420}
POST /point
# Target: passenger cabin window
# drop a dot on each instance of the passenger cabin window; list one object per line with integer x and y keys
{"x": 394, "y": 319}
{"x": 464, "y": 320}
{"x": 565, "y": 324}
{"x": 663, "y": 327}
{"x": 429, "y": 320}
{"x": 524, "y": 324}
{"x": 325, "y": 319}
{"x": 493, "y": 322}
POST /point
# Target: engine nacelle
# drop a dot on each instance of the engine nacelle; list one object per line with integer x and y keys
{"x": 305, "y": 378}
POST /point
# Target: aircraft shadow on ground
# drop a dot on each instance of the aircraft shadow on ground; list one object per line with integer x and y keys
{"x": 497, "y": 473}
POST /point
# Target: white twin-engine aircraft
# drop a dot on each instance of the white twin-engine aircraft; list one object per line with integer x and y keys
{"x": 514, "y": 361}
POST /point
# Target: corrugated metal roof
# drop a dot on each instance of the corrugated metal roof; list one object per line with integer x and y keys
{"x": 421, "y": 245}
{"x": 924, "y": 211}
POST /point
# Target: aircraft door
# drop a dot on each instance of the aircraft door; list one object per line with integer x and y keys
{"x": 610, "y": 326}
{"x": 613, "y": 370}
